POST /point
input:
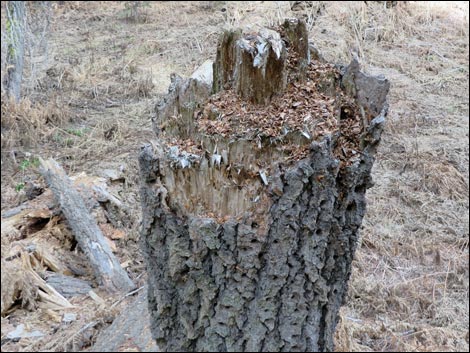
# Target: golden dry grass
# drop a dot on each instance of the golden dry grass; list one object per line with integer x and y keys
{"x": 410, "y": 284}
{"x": 26, "y": 123}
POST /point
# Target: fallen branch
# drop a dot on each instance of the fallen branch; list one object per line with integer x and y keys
{"x": 85, "y": 229}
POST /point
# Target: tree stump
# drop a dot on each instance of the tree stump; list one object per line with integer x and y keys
{"x": 253, "y": 195}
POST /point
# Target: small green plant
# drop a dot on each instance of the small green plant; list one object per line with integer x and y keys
{"x": 68, "y": 142}
{"x": 66, "y": 138}
{"x": 58, "y": 138}
{"x": 19, "y": 187}
{"x": 76, "y": 132}
{"x": 24, "y": 164}
{"x": 27, "y": 163}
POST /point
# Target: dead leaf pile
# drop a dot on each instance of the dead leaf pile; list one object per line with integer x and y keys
{"x": 315, "y": 108}
{"x": 301, "y": 108}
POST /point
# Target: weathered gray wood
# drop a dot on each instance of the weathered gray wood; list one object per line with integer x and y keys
{"x": 369, "y": 92}
{"x": 85, "y": 229}
{"x": 224, "y": 66}
{"x": 130, "y": 330}
{"x": 249, "y": 262}
{"x": 254, "y": 65}
{"x": 66, "y": 285}
{"x": 183, "y": 99}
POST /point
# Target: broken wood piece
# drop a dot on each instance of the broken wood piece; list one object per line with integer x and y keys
{"x": 296, "y": 35}
{"x": 44, "y": 256}
{"x": 85, "y": 229}
{"x": 131, "y": 326}
{"x": 12, "y": 284}
{"x": 49, "y": 296}
{"x": 66, "y": 285}
{"x": 262, "y": 174}
{"x": 20, "y": 332}
{"x": 96, "y": 298}
{"x": 253, "y": 64}
{"x": 20, "y": 281}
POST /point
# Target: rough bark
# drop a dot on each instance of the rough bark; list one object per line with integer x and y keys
{"x": 85, "y": 229}
{"x": 253, "y": 260}
{"x": 16, "y": 16}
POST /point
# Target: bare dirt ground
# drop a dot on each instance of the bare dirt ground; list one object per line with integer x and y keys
{"x": 104, "y": 72}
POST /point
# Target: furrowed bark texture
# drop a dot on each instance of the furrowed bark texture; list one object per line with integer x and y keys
{"x": 273, "y": 275}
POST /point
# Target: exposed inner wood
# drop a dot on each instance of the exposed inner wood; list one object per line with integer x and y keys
{"x": 232, "y": 145}
{"x": 253, "y": 195}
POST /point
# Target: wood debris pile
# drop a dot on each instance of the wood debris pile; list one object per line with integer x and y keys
{"x": 49, "y": 291}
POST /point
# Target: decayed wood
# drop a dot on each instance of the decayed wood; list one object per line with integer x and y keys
{"x": 12, "y": 284}
{"x": 255, "y": 65}
{"x": 130, "y": 331}
{"x": 21, "y": 281}
{"x": 224, "y": 66}
{"x": 50, "y": 298}
{"x": 85, "y": 229}
{"x": 247, "y": 250}
{"x": 297, "y": 38}
{"x": 66, "y": 285}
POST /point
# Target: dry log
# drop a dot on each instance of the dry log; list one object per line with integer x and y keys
{"x": 85, "y": 229}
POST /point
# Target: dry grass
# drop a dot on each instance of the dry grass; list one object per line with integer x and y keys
{"x": 26, "y": 123}
{"x": 409, "y": 288}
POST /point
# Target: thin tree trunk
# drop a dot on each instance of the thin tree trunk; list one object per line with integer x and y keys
{"x": 15, "y": 34}
{"x": 248, "y": 248}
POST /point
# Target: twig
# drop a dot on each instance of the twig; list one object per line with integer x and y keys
{"x": 125, "y": 296}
